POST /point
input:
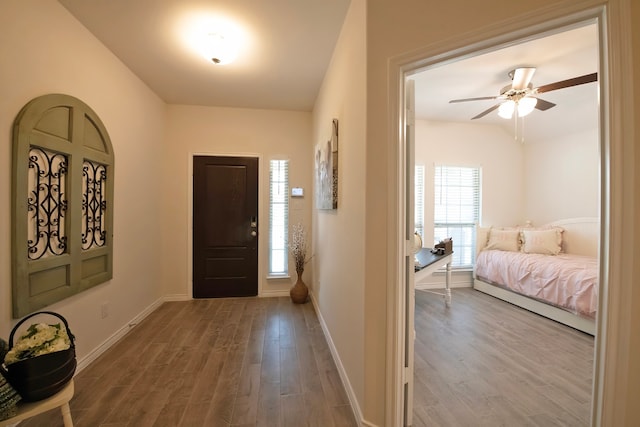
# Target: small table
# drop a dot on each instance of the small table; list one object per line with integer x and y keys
{"x": 427, "y": 263}
{"x": 31, "y": 409}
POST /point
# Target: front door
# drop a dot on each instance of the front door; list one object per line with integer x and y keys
{"x": 225, "y": 226}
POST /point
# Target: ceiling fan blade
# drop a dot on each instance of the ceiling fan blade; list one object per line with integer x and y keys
{"x": 485, "y": 112}
{"x": 472, "y": 99}
{"x": 587, "y": 78}
{"x": 543, "y": 105}
{"x": 522, "y": 77}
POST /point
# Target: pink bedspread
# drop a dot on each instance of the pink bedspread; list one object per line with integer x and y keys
{"x": 567, "y": 281}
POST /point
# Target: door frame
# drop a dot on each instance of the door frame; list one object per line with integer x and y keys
{"x": 616, "y": 127}
{"x": 261, "y": 219}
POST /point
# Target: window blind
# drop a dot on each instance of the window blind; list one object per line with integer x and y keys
{"x": 418, "y": 217}
{"x": 278, "y": 217}
{"x": 457, "y": 210}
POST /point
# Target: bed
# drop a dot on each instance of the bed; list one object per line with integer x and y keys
{"x": 551, "y": 270}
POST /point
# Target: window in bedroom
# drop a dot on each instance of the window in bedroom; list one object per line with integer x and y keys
{"x": 418, "y": 218}
{"x": 457, "y": 210}
{"x": 278, "y": 218}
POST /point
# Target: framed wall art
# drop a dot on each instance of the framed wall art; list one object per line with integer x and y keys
{"x": 326, "y": 171}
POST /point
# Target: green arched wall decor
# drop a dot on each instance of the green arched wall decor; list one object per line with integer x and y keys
{"x": 62, "y": 202}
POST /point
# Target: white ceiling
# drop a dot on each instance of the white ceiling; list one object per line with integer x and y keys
{"x": 556, "y": 57}
{"x": 289, "y": 47}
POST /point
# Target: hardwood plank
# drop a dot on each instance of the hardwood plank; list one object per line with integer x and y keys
{"x": 270, "y": 367}
{"x": 172, "y": 412}
{"x": 268, "y": 414}
{"x": 293, "y": 411}
{"x": 343, "y": 416}
{"x": 209, "y": 363}
{"x": 289, "y": 371}
{"x": 105, "y": 402}
{"x": 245, "y": 407}
{"x": 497, "y": 363}
{"x": 318, "y": 412}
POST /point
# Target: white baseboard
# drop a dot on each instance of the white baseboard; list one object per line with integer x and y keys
{"x": 117, "y": 336}
{"x": 176, "y": 297}
{"x": 357, "y": 412}
{"x": 271, "y": 294}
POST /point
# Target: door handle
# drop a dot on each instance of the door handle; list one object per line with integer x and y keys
{"x": 254, "y": 233}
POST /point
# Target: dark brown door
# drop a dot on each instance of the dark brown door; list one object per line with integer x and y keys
{"x": 225, "y": 226}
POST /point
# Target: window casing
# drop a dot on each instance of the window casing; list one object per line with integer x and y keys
{"x": 457, "y": 210}
{"x": 278, "y": 218}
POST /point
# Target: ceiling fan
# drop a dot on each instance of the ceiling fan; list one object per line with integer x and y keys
{"x": 520, "y": 95}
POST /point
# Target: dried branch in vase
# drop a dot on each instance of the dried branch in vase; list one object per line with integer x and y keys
{"x": 298, "y": 247}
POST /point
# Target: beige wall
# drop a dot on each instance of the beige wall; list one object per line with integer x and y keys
{"x": 338, "y": 284}
{"x": 265, "y": 134}
{"x": 43, "y": 49}
{"x": 562, "y": 177}
{"x": 540, "y": 181}
{"x": 395, "y": 29}
{"x": 485, "y": 146}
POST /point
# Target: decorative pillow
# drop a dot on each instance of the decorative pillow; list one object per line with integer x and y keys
{"x": 504, "y": 240}
{"x": 546, "y": 242}
{"x": 482, "y": 236}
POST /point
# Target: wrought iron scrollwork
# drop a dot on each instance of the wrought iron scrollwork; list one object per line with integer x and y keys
{"x": 94, "y": 204}
{"x": 46, "y": 203}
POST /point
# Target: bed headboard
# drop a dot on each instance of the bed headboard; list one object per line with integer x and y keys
{"x": 581, "y": 236}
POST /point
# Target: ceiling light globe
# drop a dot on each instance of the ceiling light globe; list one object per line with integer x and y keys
{"x": 505, "y": 110}
{"x": 219, "y": 49}
{"x": 526, "y": 105}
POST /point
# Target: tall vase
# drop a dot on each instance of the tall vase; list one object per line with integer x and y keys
{"x": 299, "y": 291}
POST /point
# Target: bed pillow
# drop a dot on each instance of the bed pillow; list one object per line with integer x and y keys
{"x": 504, "y": 240}
{"x": 546, "y": 242}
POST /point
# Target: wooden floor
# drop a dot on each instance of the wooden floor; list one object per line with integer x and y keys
{"x": 485, "y": 362}
{"x": 222, "y": 362}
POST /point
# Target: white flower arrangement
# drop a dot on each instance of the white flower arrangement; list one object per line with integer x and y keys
{"x": 39, "y": 339}
{"x": 298, "y": 247}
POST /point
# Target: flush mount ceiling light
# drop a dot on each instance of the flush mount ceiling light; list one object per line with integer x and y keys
{"x": 219, "y": 48}
{"x": 216, "y": 38}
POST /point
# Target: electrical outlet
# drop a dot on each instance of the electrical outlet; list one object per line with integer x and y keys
{"x": 104, "y": 310}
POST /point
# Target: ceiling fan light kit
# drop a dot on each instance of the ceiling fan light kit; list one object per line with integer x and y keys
{"x": 505, "y": 110}
{"x": 521, "y": 96}
{"x": 524, "y": 106}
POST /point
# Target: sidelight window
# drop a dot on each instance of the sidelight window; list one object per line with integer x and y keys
{"x": 278, "y": 218}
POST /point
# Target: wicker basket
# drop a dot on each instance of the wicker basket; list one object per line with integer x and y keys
{"x": 42, "y": 376}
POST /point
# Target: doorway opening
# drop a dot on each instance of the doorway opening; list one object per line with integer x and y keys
{"x": 522, "y": 50}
